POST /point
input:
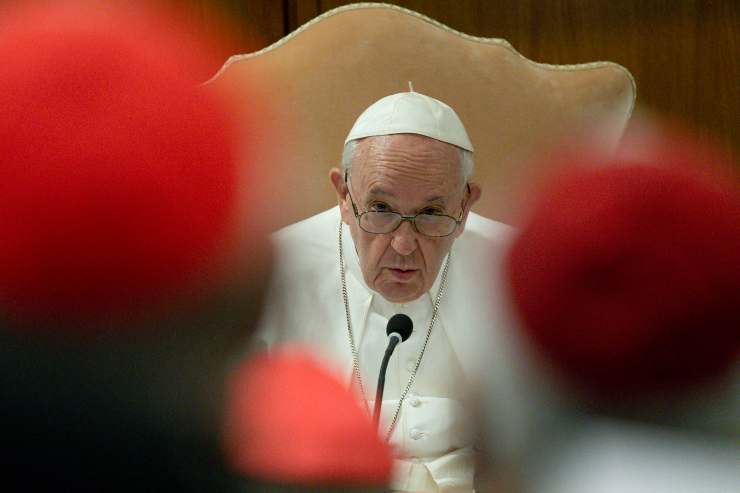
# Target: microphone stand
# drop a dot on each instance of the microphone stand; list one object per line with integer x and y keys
{"x": 394, "y": 340}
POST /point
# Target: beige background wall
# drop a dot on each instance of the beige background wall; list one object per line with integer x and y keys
{"x": 683, "y": 53}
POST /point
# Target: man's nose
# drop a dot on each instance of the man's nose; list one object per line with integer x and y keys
{"x": 404, "y": 239}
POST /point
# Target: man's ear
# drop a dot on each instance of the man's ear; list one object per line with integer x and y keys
{"x": 336, "y": 176}
{"x": 337, "y": 180}
{"x": 472, "y": 195}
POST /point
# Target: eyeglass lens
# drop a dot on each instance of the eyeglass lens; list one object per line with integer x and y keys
{"x": 427, "y": 224}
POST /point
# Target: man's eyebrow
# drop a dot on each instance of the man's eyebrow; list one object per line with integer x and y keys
{"x": 381, "y": 191}
{"x": 436, "y": 198}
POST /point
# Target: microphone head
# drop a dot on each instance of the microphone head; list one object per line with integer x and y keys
{"x": 400, "y": 324}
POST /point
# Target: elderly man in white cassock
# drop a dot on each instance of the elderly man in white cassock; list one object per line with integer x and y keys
{"x": 401, "y": 240}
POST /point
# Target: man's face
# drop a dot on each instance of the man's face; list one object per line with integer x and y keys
{"x": 408, "y": 174}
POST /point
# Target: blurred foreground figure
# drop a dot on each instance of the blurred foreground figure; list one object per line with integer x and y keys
{"x": 627, "y": 281}
{"x": 121, "y": 291}
{"x": 292, "y": 426}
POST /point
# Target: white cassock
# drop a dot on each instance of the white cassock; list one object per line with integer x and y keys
{"x": 609, "y": 456}
{"x": 435, "y": 432}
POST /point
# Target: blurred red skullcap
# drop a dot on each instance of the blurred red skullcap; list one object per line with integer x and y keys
{"x": 290, "y": 422}
{"x": 117, "y": 173}
{"x": 627, "y": 274}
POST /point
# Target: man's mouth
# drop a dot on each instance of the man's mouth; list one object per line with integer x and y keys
{"x": 403, "y": 274}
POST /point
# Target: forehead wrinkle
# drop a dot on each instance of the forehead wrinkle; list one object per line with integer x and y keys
{"x": 380, "y": 171}
{"x": 382, "y": 181}
{"x": 421, "y": 164}
{"x": 389, "y": 162}
{"x": 409, "y": 153}
{"x": 384, "y": 184}
{"x": 379, "y": 191}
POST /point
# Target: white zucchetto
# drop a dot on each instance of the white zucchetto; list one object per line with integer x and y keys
{"x": 411, "y": 113}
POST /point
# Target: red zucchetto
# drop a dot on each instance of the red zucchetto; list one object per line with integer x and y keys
{"x": 627, "y": 274}
{"x": 117, "y": 172}
{"x": 290, "y": 422}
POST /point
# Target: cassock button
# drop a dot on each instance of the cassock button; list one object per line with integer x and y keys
{"x": 416, "y": 434}
{"x": 414, "y": 400}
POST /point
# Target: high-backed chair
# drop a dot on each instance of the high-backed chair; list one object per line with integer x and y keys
{"x": 318, "y": 79}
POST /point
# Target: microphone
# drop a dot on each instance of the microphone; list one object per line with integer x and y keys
{"x": 399, "y": 329}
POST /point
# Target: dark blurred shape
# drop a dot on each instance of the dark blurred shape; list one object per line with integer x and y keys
{"x": 129, "y": 271}
{"x": 292, "y": 426}
{"x": 627, "y": 275}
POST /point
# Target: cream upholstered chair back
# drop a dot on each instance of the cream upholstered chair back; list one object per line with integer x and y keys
{"x": 317, "y": 80}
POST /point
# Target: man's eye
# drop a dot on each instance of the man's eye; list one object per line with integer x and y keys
{"x": 379, "y": 207}
{"x": 433, "y": 211}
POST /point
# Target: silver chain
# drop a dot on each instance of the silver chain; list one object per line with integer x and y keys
{"x": 353, "y": 347}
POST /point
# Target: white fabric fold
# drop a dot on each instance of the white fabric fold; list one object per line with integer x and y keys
{"x": 451, "y": 473}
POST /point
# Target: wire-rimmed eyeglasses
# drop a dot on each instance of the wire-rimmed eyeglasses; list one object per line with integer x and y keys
{"x": 384, "y": 222}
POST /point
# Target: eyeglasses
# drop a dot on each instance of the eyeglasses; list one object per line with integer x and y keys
{"x": 384, "y": 222}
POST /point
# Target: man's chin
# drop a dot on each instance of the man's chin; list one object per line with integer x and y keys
{"x": 401, "y": 293}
